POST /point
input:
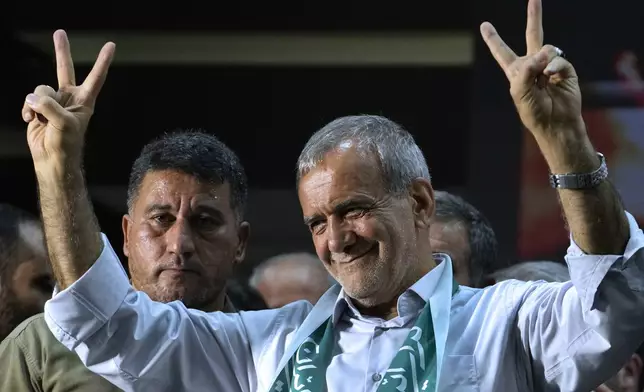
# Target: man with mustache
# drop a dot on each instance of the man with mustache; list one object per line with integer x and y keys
{"x": 398, "y": 322}
{"x": 184, "y": 232}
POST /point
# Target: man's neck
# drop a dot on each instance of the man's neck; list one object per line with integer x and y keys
{"x": 389, "y": 309}
{"x": 217, "y": 305}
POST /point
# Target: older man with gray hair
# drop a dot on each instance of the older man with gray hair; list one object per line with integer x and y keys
{"x": 398, "y": 321}
{"x": 290, "y": 277}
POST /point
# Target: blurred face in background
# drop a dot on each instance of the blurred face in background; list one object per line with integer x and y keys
{"x": 452, "y": 238}
{"x": 287, "y": 278}
{"x": 628, "y": 379}
{"x": 26, "y": 281}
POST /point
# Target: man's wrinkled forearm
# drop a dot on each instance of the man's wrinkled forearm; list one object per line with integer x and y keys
{"x": 72, "y": 232}
{"x": 594, "y": 216}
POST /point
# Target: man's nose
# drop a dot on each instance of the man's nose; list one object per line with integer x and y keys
{"x": 340, "y": 236}
{"x": 179, "y": 238}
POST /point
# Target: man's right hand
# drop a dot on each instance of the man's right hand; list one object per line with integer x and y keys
{"x": 57, "y": 120}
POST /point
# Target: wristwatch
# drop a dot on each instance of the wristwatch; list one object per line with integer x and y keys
{"x": 581, "y": 181}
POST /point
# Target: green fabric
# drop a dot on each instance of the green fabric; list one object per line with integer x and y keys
{"x": 413, "y": 368}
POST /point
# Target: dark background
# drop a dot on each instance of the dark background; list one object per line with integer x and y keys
{"x": 461, "y": 117}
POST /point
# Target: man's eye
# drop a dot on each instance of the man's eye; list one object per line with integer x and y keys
{"x": 207, "y": 221}
{"x": 316, "y": 227}
{"x": 163, "y": 219}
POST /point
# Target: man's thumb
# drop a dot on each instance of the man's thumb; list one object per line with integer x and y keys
{"x": 48, "y": 108}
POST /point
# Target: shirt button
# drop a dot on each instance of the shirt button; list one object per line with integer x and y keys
{"x": 376, "y": 377}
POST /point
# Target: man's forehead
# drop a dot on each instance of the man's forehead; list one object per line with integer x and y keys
{"x": 344, "y": 171}
{"x": 169, "y": 185}
{"x": 32, "y": 235}
{"x": 449, "y": 236}
{"x": 453, "y": 231}
{"x": 448, "y": 227}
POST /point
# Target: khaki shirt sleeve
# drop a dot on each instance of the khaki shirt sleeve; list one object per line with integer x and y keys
{"x": 20, "y": 372}
{"x": 32, "y": 359}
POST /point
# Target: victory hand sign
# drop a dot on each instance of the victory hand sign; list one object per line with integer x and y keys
{"x": 545, "y": 91}
{"x": 57, "y": 120}
{"x": 543, "y": 84}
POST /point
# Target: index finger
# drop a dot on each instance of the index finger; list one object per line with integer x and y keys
{"x": 499, "y": 49}
{"x": 94, "y": 81}
{"x": 64, "y": 62}
{"x": 534, "y": 27}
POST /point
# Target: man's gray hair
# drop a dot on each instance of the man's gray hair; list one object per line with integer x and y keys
{"x": 550, "y": 271}
{"x": 401, "y": 160}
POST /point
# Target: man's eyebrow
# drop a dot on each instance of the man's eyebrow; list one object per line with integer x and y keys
{"x": 339, "y": 208}
{"x": 346, "y": 204}
{"x": 308, "y": 220}
{"x": 157, "y": 207}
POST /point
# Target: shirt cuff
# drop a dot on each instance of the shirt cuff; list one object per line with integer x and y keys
{"x": 76, "y": 313}
{"x": 588, "y": 271}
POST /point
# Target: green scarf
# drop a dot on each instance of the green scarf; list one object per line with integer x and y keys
{"x": 413, "y": 368}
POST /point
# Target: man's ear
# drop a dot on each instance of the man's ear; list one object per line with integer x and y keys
{"x": 125, "y": 225}
{"x": 422, "y": 195}
{"x": 630, "y": 374}
{"x": 243, "y": 233}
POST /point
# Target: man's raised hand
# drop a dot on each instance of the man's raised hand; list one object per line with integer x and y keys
{"x": 543, "y": 84}
{"x": 57, "y": 120}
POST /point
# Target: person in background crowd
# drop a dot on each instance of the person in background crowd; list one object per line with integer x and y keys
{"x": 25, "y": 278}
{"x": 398, "y": 320}
{"x": 184, "y": 232}
{"x": 458, "y": 229}
{"x": 291, "y": 277}
{"x": 630, "y": 378}
{"x": 549, "y": 271}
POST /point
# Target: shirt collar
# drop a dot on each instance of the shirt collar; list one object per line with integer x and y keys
{"x": 423, "y": 288}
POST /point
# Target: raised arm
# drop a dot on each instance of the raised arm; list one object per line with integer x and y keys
{"x": 142, "y": 345}
{"x": 57, "y": 121}
{"x": 575, "y": 334}
{"x": 136, "y": 343}
{"x": 545, "y": 90}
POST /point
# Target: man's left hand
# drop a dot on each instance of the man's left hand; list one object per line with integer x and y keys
{"x": 543, "y": 84}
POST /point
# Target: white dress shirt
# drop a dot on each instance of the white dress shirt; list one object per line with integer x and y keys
{"x": 513, "y": 336}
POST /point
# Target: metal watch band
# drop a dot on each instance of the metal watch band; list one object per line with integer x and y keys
{"x": 581, "y": 181}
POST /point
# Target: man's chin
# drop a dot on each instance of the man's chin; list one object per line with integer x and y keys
{"x": 362, "y": 294}
{"x": 191, "y": 298}
{"x": 168, "y": 294}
